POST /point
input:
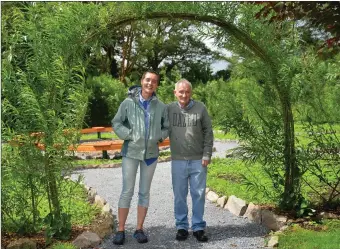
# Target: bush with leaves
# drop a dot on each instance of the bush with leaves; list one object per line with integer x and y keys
{"x": 317, "y": 89}
{"x": 44, "y": 103}
{"x": 320, "y": 160}
{"x": 106, "y": 94}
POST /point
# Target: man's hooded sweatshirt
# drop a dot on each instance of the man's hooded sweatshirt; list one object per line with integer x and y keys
{"x": 191, "y": 135}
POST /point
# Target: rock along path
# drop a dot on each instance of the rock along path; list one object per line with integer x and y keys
{"x": 224, "y": 229}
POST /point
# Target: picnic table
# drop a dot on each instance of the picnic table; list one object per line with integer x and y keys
{"x": 101, "y": 145}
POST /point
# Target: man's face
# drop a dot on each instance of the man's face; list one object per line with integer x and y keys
{"x": 149, "y": 83}
{"x": 183, "y": 94}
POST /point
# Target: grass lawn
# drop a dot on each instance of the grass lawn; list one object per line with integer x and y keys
{"x": 228, "y": 177}
{"x": 221, "y": 135}
{"x": 94, "y": 136}
{"x": 98, "y": 162}
{"x": 302, "y": 137}
{"x": 323, "y": 236}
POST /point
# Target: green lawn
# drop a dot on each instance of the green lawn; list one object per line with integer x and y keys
{"x": 302, "y": 137}
{"x": 323, "y": 236}
{"x": 94, "y": 136}
{"x": 98, "y": 162}
{"x": 220, "y": 135}
{"x": 228, "y": 177}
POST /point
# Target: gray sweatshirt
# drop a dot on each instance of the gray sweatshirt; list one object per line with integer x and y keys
{"x": 190, "y": 132}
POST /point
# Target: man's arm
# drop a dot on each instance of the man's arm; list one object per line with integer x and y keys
{"x": 208, "y": 137}
{"x": 165, "y": 123}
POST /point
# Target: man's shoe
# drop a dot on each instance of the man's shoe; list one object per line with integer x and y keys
{"x": 182, "y": 234}
{"x": 200, "y": 236}
{"x": 140, "y": 236}
{"x": 119, "y": 238}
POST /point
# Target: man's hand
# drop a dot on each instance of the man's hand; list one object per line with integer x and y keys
{"x": 205, "y": 162}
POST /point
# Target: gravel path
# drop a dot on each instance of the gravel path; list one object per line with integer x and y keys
{"x": 224, "y": 229}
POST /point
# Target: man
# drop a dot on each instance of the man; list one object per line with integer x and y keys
{"x": 191, "y": 142}
{"x": 142, "y": 122}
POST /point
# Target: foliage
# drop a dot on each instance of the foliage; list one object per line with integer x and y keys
{"x": 260, "y": 111}
{"x": 321, "y": 15}
{"x": 320, "y": 159}
{"x": 43, "y": 83}
{"x": 165, "y": 91}
{"x": 251, "y": 182}
{"x": 316, "y": 89}
{"x": 106, "y": 94}
{"x": 153, "y": 44}
{"x": 17, "y": 211}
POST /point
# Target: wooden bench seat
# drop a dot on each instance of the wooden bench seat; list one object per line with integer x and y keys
{"x": 104, "y": 145}
{"x": 108, "y": 145}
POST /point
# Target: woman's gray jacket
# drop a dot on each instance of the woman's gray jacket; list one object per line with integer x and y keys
{"x": 129, "y": 125}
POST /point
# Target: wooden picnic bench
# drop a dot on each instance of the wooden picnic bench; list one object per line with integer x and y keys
{"x": 104, "y": 145}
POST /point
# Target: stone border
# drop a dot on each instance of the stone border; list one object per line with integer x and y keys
{"x": 101, "y": 227}
{"x": 254, "y": 213}
{"x": 276, "y": 223}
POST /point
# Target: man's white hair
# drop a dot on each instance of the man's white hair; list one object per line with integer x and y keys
{"x": 183, "y": 81}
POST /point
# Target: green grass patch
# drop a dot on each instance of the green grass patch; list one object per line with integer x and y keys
{"x": 61, "y": 245}
{"x": 227, "y": 177}
{"x": 221, "y": 135}
{"x": 231, "y": 176}
{"x": 94, "y": 136}
{"x": 73, "y": 200}
{"x": 98, "y": 162}
{"x": 317, "y": 236}
{"x": 302, "y": 137}
{"x": 91, "y": 162}
{"x": 81, "y": 211}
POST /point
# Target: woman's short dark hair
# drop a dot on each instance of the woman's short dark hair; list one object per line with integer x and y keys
{"x": 153, "y": 72}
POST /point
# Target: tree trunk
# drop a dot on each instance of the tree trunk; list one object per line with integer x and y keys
{"x": 291, "y": 193}
{"x": 52, "y": 187}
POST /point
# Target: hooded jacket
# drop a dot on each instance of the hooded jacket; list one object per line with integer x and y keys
{"x": 129, "y": 125}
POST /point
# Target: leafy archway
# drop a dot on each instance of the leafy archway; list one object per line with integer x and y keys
{"x": 197, "y": 12}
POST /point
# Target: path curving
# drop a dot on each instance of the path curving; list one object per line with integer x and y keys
{"x": 224, "y": 229}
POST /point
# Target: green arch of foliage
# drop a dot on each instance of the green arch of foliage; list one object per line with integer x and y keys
{"x": 130, "y": 12}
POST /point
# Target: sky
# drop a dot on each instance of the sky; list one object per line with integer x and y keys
{"x": 218, "y": 64}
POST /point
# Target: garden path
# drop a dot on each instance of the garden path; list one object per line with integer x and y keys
{"x": 224, "y": 229}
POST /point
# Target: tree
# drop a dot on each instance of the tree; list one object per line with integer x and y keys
{"x": 44, "y": 102}
{"x": 154, "y": 43}
{"x": 323, "y": 16}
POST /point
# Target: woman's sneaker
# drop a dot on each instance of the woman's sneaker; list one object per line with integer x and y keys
{"x": 119, "y": 238}
{"x": 140, "y": 236}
